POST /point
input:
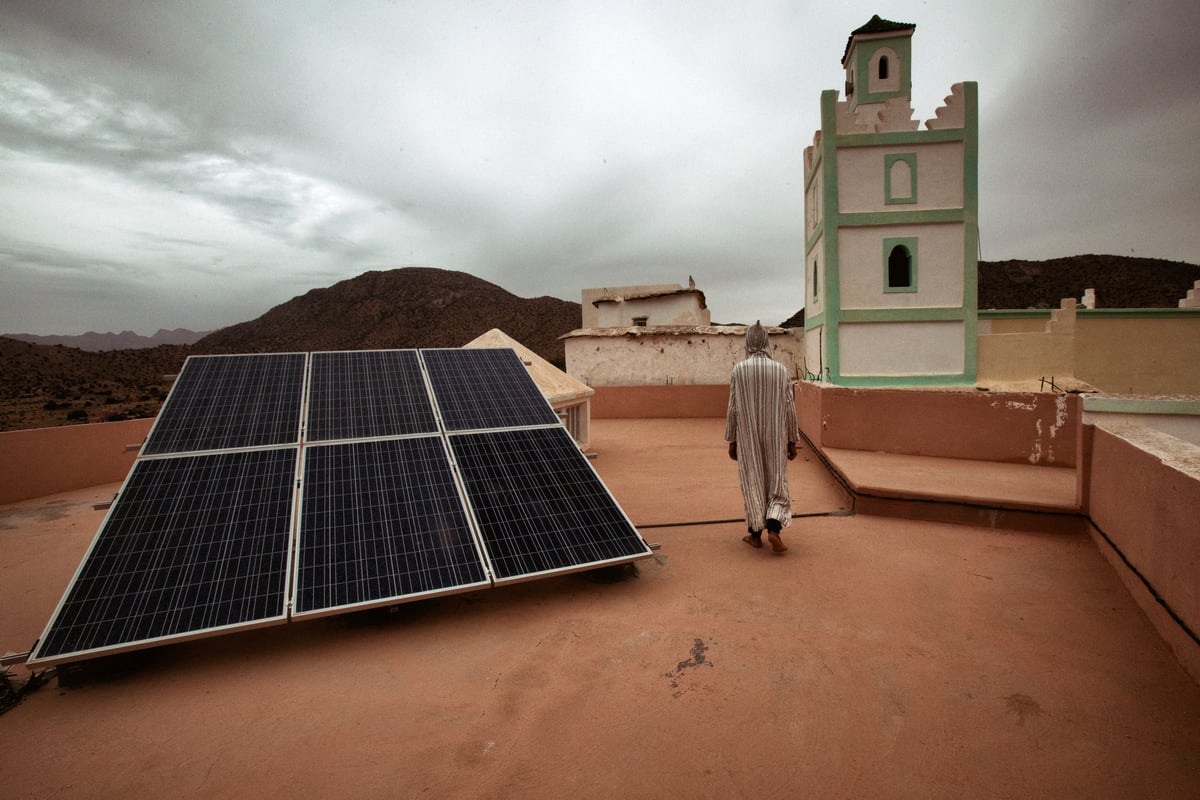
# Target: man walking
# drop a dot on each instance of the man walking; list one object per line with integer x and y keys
{"x": 760, "y": 428}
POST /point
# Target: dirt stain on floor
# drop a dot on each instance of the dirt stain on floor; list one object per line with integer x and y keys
{"x": 699, "y": 658}
{"x": 16, "y": 518}
{"x": 1023, "y": 706}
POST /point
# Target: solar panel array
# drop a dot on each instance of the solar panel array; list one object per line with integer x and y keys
{"x": 294, "y": 485}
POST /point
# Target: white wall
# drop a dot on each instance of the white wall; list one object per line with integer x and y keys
{"x": 939, "y": 177}
{"x": 649, "y": 358}
{"x": 901, "y": 348}
{"x": 667, "y": 309}
{"x": 591, "y": 313}
{"x": 939, "y": 267}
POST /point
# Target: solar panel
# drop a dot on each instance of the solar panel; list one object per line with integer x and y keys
{"x": 224, "y": 402}
{"x": 367, "y": 393}
{"x": 539, "y": 505}
{"x": 382, "y": 521}
{"x": 485, "y": 388}
{"x": 424, "y": 473}
{"x": 193, "y": 545}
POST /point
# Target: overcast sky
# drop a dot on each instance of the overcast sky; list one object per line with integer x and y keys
{"x": 192, "y": 164}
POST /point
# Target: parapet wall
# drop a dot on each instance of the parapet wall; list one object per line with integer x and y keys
{"x": 35, "y": 463}
{"x": 653, "y": 402}
{"x": 1027, "y": 427}
{"x": 1142, "y": 493}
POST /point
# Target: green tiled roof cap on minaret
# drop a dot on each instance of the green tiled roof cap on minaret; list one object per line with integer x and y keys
{"x": 877, "y": 61}
{"x": 876, "y": 24}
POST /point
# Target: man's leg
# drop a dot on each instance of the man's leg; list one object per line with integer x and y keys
{"x": 774, "y": 528}
{"x": 754, "y": 539}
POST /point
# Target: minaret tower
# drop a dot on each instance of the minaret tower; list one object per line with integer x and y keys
{"x": 891, "y": 231}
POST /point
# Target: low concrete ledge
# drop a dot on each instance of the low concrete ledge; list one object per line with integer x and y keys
{"x": 1017, "y": 487}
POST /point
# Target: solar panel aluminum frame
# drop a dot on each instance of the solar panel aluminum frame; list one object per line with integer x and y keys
{"x": 646, "y": 552}
{"x": 36, "y": 660}
{"x": 163, "y": 410}
{"x": 297, "y": 541}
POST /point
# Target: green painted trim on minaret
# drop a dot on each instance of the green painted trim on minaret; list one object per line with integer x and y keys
{"x": 830, "y": 222}
{"x": 812, "y": 172}
{"x": 865, "y": 219}
{"x": 812, "y": 242}
{"x": 815, "y": 321}
{"x": 947, "y": 314}
{"x": 971, "y": 231}
{"x": 894, "y": 138}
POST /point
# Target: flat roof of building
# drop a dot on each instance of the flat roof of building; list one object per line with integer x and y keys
{"x": 880, "y": 657}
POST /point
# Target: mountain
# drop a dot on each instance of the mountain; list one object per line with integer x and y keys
{"x": 94, "y": 342}
{"x": 1119, "y": 281}
{"x": 411, "y": 307}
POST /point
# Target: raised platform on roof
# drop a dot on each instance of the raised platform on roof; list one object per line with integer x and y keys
{"x": 959, "y": 490}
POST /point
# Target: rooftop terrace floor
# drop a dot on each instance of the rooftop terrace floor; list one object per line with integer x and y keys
{"x": 880, "y": 657}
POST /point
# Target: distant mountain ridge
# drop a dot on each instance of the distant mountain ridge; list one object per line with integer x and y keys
{"x": 94, "y": 342}
{"x": 401, "y": 308}
{"x": 1119, "y": 281}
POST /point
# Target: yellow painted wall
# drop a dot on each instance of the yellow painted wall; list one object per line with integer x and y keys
{"x": 1139, "y": 355}
{"x": 1119, "y": 354}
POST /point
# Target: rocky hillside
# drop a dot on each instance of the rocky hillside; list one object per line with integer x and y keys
{"x": 43, "y": 386}
{"x": 1119, "y": 281}
{"x": 413, "y": 307}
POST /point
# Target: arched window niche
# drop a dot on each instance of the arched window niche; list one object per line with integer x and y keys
{"x": 900, "y": 178}
{"x": 900, "y": 264}
{"x": 883, "y": 72}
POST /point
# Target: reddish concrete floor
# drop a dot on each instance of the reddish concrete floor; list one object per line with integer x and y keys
{"x": 878, "y": 658}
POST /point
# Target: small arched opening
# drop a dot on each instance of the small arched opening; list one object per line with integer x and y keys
{"x": 899, "y": 268}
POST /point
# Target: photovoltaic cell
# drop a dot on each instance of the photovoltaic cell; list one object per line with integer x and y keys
{"x": 192, "y": 544}
{"x": 539, "y": 505}
{"x": 224, "y": 402}
{"x": 381, "y": 521}
{"x": 367, "y": 393}
{"x": 485, "y": 388}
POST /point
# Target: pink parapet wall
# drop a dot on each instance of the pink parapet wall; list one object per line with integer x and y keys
{"x": 1025, "y": 427}
{"x": 43, "y": 461}
{"x": 683, "y": 401}
{"x": 1143, "y": 497}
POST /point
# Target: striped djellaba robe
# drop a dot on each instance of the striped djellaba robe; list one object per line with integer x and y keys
{"x": 762, "y": 420}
